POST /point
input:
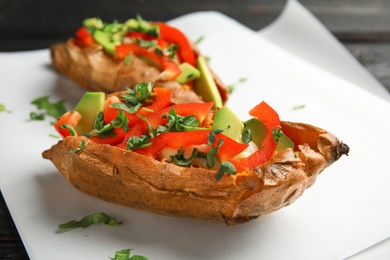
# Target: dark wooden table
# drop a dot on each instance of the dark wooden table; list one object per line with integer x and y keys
{"x": 361, "y": 25}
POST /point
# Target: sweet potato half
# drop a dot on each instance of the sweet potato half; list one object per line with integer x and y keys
{"x": 126, "y": 178}
{"x": 93, "y": 69}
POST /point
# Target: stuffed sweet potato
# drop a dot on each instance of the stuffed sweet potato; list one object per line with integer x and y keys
{"x": 112, "y": 57}
{"x": 189, "y": 160}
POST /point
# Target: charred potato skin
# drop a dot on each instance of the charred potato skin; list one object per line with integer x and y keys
{"x": 126, "y": 178}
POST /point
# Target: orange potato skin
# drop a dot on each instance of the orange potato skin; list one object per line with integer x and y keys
{"x": 126, "y": 178}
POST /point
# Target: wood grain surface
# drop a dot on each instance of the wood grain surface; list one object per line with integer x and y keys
{"x": 361, "y": 25}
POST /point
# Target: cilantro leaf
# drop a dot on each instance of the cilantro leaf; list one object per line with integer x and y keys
{"x": 89, "y": 220}
{"x": 124, "y": 254}
{"x": 277, "y": 133}
{"x": 141, "y": 92}
{"x": 101, "y": 129}
{"x": 246, "y": 136}
{"x": 180, "y": 160}
{"x": 180, "y": 123}
{"x": 4, "y": 109}
{"x": 138, "y": 142}
{"x": 78, "y": 149}
{"x": 72, "y": 131}
{"x": 54, "y": 109}
{"x": 226, "y": 167}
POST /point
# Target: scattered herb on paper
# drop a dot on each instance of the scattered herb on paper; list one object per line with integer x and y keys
{"x": 4, "y": 109}
{"x": 53, "y": 109}
{"x": 124, "y": 254}
{"x": 199, "y": 40}
{"x": 89, "y": 220}
{"x": 298, "y": 107}
{"x": 233, "y": 86}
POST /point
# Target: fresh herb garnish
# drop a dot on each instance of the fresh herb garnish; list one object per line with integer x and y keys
{"x": 37, "y": 117}
{"x": 226, "y": 167}
{"x": 124, "y": 254}
{"x": 135, "y": 97}
{"x": 180, "y": 160}
{"x": 180, "y": 123}
{"x": 233, "y": 86}
{"x": 103, "y": 130}
{"x": 4, "y": 109}
{"x": 298, "y": 107}
{"x": 199, "y": 40}
{"x": 146, "y": 44}
{"x": 128, "y": 59}
{"x": 277, "y": 133}
{"x": 89, "y": 220}
{"x": 210, "y": 157}
{"x": 155, "y": 131}
{"x": 78, "y": 149}
{"x": 72, "y": 131}
{"x": 137, "y": 142}
{"x": 54, "y": 109}
{"x": 246, "y": 136}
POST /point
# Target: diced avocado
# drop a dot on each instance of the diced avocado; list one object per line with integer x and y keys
{"x": 89, "y": 105}
{"x": 227, "y": 119}
{"x": 188, "y": 73}
{"x": 205, "y": 85}
{"x": 258, "y": 132}
{"x": 131, "y": 24}
{"x": 93, "y": 23}
{"x": 257, "y": 129}
{"x": 106, "y": 40}
{"x": 284, "y": 142}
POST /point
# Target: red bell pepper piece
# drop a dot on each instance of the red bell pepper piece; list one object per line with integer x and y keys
{"x": 174, "y": 140}
{"x": 141, "y": 35}
{"x": 163, "y": 99}
{"x": 85, "y": 37}
{"x": 178, "y": 140}
{"x": 199, "y": 110}
{"x": 173, "y": 35}
{"x": 170, "y": 67}
{"x": 271, "y": 120}
{"x": 160, "y": 42}
{"x": 119, "y": 135}
{"x": 70, "y": 118}
{"x": 110, "y": 113}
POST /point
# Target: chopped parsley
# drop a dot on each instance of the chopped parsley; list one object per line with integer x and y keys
{"x": 180, "y": 123}
{"x": 72, "y": 131}
{"x": 103, "y": 130}
{"x": 180, "y": 160}
{"x": 298, "y": 107}
{"x": 89, "y": 220}
{"x": 78, "y": 149}
{"x": 199, "y": 40}
{"x": 246, "y": 136}
{"x": 233, "y": 86}
{"x": 226, "y": 167}
{"x": 53, "y": 109}
{"x": 137, "y": 142}
{"x": 4, "y": 109}
{"x": 124, "y": 254}
{"x": 133, "y": 100}
{"x": 277, "y": 133}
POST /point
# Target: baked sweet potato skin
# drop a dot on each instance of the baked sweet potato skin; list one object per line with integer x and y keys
{"x": 129, "y": 179}
{"x": 93, "y": 69}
